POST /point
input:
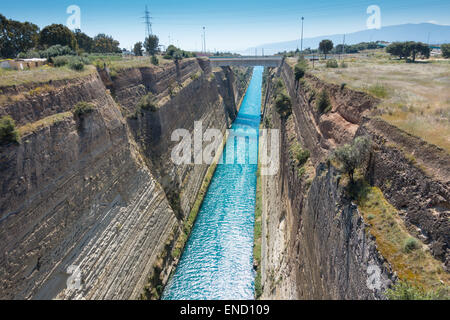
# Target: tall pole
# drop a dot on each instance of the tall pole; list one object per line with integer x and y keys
{"x": 148, "y": 23}
{"x": 204, "y": 38}
{"x": 301, "y": 43}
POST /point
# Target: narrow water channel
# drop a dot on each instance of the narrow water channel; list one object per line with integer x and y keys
{"x": 217, "y": 262}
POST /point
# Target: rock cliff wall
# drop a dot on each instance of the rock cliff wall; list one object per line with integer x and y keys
{"x": 92, "y": 192}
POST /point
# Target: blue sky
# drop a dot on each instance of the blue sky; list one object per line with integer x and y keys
{"x": 230, "y": 24}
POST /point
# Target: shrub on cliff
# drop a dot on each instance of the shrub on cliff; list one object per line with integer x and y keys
{"x": 83, "y": 108}
{"x": 411, "y": 244}
{"x": 353, "y": 156}
{"x": 299, "y": 154}
{"x": 283, "y": 105}
{"x": 404, "y": 290}
{"x": 323, "y": 103}
{"x": 300, "y": 68}
{"x": 147, "y": 103}
{"x": 8, "y": 131}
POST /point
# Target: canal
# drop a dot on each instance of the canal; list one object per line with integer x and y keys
{"x": 217, "y": 262}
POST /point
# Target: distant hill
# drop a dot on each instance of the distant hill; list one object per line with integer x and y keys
{"x": 406, "y": 32}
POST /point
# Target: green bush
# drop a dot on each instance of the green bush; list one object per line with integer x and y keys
{"x": 60, "y": 61}
{"x": 411, "y": 244}
{"x": 446, "y": 50}
{"x": 300, "y": 154}
{"x": 283, "y": 105}
{"x": 154, "y": 60}
{"x": 323, "y": 103}
{"x": 147, "y": 103}
{"x": 343, "y": 65}
{"x": 352, "y": 156}
{"x": 300, "y": 68}
{"x": 83, "y": 108}
{"x": 76, "y": 65}
{"x": 404, "y": 290}
{"x": 8, "y": 131}
{"x": 332, "y": 63}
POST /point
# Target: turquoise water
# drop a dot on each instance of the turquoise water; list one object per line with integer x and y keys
{"x": 217, "y": 262}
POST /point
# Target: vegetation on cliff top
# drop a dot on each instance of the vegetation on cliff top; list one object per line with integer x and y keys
{"x": 415, "y": 96}
{"x": 409, "y": 256}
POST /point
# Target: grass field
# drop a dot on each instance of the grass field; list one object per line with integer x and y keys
{"x": 41, "y": 75}
{"x": 415, "y": 96}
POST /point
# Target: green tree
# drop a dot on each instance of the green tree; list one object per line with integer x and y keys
{"x": 397, "y": 49}
{"x": 138, "y": 49}
{"x": 105, "y": 44}
{"x": 151, "y": 44}
{"x": 16, "y": 37}
{"x": 325, "y": 47}
{"x": 446, "y": 50}
{"x": 417, "y": 48}
{"x": 84, "y": 42}
{"x": 353, "y": 156}
{"x": 57, "y": 34}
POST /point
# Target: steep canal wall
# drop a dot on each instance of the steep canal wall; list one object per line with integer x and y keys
{"x": 93, "y": 195}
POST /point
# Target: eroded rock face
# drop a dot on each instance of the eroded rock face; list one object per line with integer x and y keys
{"x": 314, "y": 242}
{"x": 84, "y": 194}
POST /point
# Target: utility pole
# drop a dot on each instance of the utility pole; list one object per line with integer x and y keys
{"x": 301, "y": 43}
{"x": 147, "y": 22}
{"x": 343, "y": 46}
{"x": 204, "y": 38}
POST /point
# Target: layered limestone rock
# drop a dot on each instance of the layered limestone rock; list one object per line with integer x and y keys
{"x": 83, "y": 212}
{"x": 314, "y": 242}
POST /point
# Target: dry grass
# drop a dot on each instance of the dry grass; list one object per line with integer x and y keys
{"x": 32, "y": 127}
{"x": 40, "y": 75}
{"x": 415, "y": 266}
{"x": 415, "y": 96}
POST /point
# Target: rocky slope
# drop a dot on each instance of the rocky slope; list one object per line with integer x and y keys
{"x": 94, "y": 191}
{"x": 315, "y": 243}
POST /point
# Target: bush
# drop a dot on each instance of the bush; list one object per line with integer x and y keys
{"x": 154, "y": 60}
{"x": 300, "y": 68}
{"x": 300, "y": 154}
{"x": 323, "y": 103}
{"x": 147, "y": 103}
{"x": 60, "y": 61}
{"x": 283, "y": 105}
{"x": 56, "y": 51}
{"x": 83, "y": 108}
{"x": 411, "y": 244}
{"x": 8, "y": 131}
{"x": 332, "y": 63}
{"x": 353, "y": 156}
{"x": 404, "y": 290}
{"x": 446, "y": 50}
{"x": 343, "y": 65}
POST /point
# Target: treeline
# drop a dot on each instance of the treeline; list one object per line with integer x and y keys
{"x": 28, "y": 40}
{"x": 409, "y": 50}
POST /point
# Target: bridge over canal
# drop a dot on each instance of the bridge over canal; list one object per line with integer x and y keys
{"x": 253, "y": 61}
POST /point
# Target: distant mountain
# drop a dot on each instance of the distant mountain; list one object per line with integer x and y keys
{"x": 406, "y": 32}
